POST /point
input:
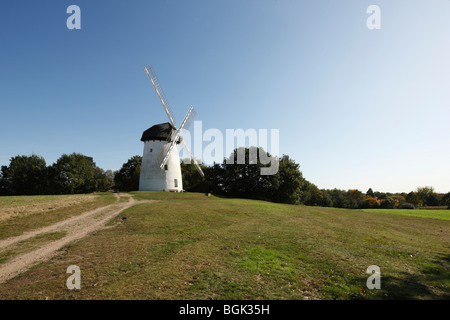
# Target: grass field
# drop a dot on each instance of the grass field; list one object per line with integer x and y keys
{"x": 443, "y": 214}
{"x": 19, "y": 214}
{"x": 190, "y": 246}
{"x": 28, "y": 245}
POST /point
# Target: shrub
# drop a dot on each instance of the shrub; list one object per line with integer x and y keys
{"x": 387, "y": 203}
{"x": 407, "y": 205}
{"x": 371, "y": 202}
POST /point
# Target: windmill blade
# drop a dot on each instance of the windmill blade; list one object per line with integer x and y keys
{"x": 190, "y": 117}
{"x": 166, "y": 150}
{"x": 199, "y": 169}
{"x": 163, "y": 153}
{"x": 176, "y": 135}
{"x": 186, "y": 123}
{"x": 159, "y": 91}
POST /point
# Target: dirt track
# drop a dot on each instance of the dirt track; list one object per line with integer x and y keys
{"x": 76, "y": 228}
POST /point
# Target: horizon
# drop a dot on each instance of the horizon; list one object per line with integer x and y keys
{"x": 356, "y": 108}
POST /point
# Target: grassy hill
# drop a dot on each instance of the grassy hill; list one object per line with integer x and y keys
{"x": 190, "y": 246}
{"x": 443, "y": 214}
{"x": 19, "y": 214}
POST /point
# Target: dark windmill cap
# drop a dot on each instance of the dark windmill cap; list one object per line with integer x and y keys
{"x": 159, "y": 132}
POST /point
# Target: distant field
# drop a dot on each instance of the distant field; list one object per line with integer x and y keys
{"x": 190, "y": 246}
{"x": 24, "y": 213}
{"x": 19, "y": 206}
{"x": 443, "y": 214}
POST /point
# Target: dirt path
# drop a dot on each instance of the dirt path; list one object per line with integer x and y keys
{"x": 76, "y": 228}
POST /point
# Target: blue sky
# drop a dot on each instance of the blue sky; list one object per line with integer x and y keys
{"x": 357, "y": 108}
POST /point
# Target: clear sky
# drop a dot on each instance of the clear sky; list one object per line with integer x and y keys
{"x": 357, "y": 108}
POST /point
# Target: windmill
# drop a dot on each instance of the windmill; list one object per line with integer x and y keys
{"x": 161, "y": 170}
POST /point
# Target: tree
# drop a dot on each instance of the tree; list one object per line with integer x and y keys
{"x": 5, "y": 182}
{"x": 413, "y": 198}
{"x": 433, "y": 200}
{"x": 245, "y": 180}
{"x": 327, "y": 200}
{"x": 287, "y": 182}
{"x": 445, "y": 200}
{"x": 387, "y": 203}
{"x": 104, "y": 180}
{"x": 74, "y": 173}
{"x": 370, "y": 193}
{"x": 127, "y": 178}
{"x": 371, "y": 202}
{"x": 398, "y": 199}
{"x": 192, "y": 180}
{"x": 312, "y": 196}
{"x": 25, "y": 175}
{"x": 355, "y": 198}
{"x": 426, "y": 196}
{"x": 380, "y": 195}
{"x": 338, "y": 198}
{"x": 214, "y": 179}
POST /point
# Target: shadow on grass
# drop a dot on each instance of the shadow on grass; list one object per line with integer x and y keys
{"x": 411, "y": 287}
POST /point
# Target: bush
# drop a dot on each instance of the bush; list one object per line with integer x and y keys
{"x": 407, "y": 205}
{"x": 371, "y": 202}
{"x": 387, "y": 203}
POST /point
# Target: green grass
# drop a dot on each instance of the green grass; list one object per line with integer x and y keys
{"x": 29, "y": 244}
{"x": 190, "y": 246}
{"x": 18, "y": 225}
{"x": 443, "y": 214}
{"x": 161, "y": 195}
{"x": 9, "y": 201}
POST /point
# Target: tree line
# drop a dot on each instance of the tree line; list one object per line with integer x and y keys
{"x": 77, "y": 173}
{"x": 246, "y": 181}
{"x": 355, "y": 199}
{"x": 70, "y": 174}
{"x": 287, "y": 186}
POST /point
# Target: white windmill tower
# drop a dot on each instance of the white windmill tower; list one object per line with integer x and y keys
{"x": 161, "y": 170}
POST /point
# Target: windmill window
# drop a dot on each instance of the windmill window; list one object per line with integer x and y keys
{"x": 151, "y": 150}
{"x": 175, "y": 183}
{"x": 165, "y": 167}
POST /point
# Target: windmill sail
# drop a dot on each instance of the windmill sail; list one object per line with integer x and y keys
{"x": 190, "y": 115}
{"x": 159, "y": 91}
{"x": 199, "y": 169}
